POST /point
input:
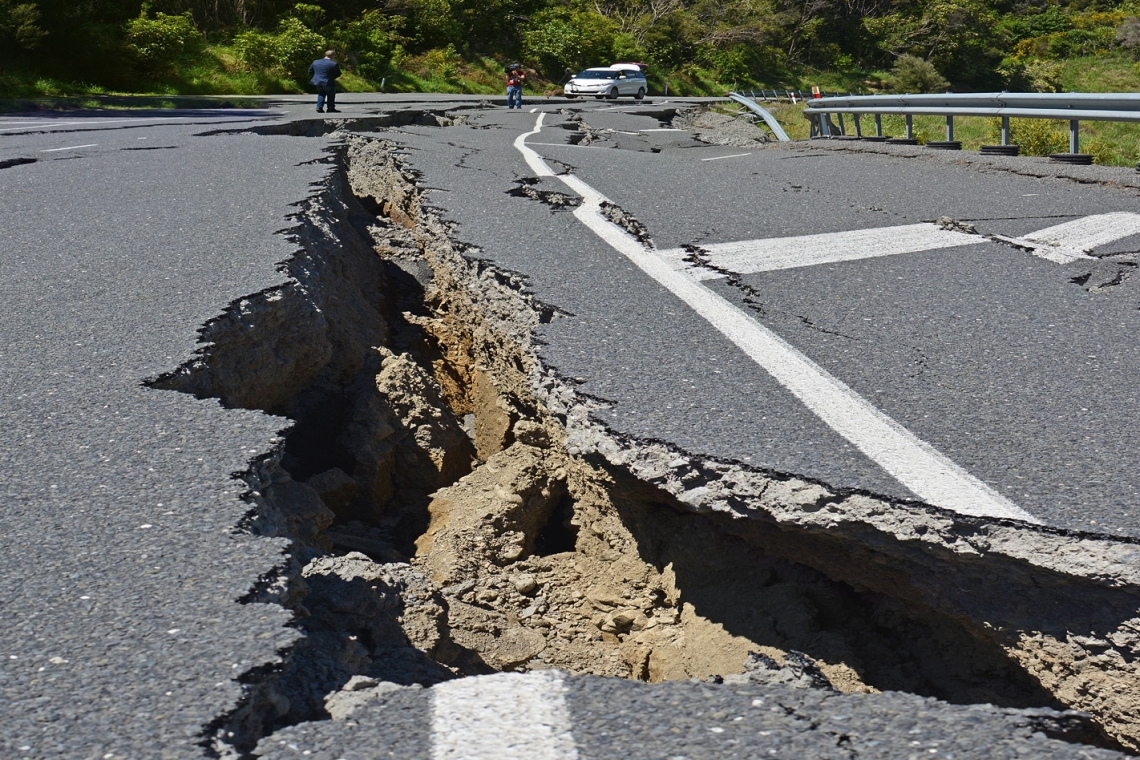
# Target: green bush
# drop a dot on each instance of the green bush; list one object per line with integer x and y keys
{"x": 297, "y": 47}
{"x": 1037, "y": 137}
{"x": 368, "y": 43}
{"x": 308, "y": 14}
{"x": 559, "y": 39}
{"x": 1021, "y": 26}
{"x": 1032, "y": 75}
{"x": 1068, "y": 44}
{"x": 19, "y": 27}
{"x": 160, "y": 42}
{"x": 1103, "y": 153}
{"x": 257, "y": 50}
{"x": 912, "y": 74}
{"x": 288, "y": 52}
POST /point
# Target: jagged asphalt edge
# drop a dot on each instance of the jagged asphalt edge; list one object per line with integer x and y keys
{"x": 704, "y": 484}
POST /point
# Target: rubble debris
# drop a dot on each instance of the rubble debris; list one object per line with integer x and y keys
{"x": 954, "y": 225}
{"x": 454, "y": 509}
{"x": 528, "y": 187}
{"x": 716, "y": 128}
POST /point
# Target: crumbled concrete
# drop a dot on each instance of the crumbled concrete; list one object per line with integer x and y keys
{"x": 428, "y": 426}
{"x": 716, "y": 128}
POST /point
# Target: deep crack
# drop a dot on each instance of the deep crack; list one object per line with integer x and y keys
{"x": 425, "y": 423}
{"x": 528, "y": 187}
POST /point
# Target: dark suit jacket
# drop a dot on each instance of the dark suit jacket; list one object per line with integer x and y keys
{"x": 324, "y": 71}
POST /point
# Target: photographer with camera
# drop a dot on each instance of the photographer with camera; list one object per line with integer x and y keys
{"x": 516, "y": 77}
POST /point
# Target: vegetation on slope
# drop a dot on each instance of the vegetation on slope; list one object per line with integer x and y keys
{"x": 51, "y": 47}
{"x": 693, "y": 47}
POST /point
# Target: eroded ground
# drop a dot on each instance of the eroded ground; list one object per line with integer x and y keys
{"x": 455, "y": 510}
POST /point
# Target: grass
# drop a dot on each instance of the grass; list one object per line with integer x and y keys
{"x": 1109, "y": 72}
{"x": 217, "y": 70}
{"x": 1110, "y": 143}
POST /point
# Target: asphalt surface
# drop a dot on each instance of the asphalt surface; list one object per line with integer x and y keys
{"x": 120, "y": 566}
{"x": 120, "y": 563}
{"x": 988, "y": 353}
{"x": 604, "y": 718}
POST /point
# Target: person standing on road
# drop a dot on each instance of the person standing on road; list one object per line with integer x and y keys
{"x": 324, "y": 73}
{"x": 516, "y": 77}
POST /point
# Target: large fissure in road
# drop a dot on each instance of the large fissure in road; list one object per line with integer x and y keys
{"x": 453, "y": 508}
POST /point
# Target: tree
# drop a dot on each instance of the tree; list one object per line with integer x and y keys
{"x": 19, "y": 27}
{"x": 559, "y": 39}
{"x": 159, "y": 42}
{"x": 366, "y": 42}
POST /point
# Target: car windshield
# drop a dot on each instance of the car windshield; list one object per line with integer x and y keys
{"x": 597, "y": 75}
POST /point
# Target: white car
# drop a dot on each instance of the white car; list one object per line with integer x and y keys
{"x": 608, "y": 82}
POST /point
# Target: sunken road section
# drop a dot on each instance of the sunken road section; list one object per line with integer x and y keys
{"x": 454, "y": 509}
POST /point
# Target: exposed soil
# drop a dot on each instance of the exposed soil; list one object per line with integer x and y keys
{"x": 454, "y": 510}
{"x": 716, "y": 128}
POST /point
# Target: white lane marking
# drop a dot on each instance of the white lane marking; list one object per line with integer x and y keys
{"x": 916, "y": 464}
{"x": 506, "y": 716}
{"x": 665, "y": 129}
{"x": 579, "y": 147}
{"x": 751, "y": 256}
{"x": 100, "y": 123}
{"x": 1074, "y": 240}
{"x": 534, "y": 110}
{"x": 533, "y": 160}
{"x": 678, "y": 258}
{"x": 36, "y": 126}
{"x": 70, "y": 147}
{"x": 734, "y": 155}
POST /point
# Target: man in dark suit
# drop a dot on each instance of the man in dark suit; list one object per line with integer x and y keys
{"x": 324, "y": 72}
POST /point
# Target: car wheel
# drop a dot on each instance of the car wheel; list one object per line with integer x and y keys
{"x": 612, "y": 94}
{"x": 640, "y": 94}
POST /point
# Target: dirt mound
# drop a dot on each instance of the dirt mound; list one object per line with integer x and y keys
{"x": 716, "y": 128}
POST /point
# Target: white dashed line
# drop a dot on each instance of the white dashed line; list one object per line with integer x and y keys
{"x": 581, "y": 147}
{"x": 734, "y": 155}
{"x": 36, "y": 126}
{"x": 506, "y": 716}
{"x": 914, "y": 463}
{"x": 177, "y": 120}
{"x": 751, "y": 256}
{"x": 1074, "y": 240}
{"x": 70, "y": 147}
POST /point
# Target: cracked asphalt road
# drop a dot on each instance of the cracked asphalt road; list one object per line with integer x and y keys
{"x": 121, "y": 566}
{"x": 691, "y": 721}
{"x": 1001, "y": 360}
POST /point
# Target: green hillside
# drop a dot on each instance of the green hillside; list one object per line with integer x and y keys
{"x": 59, "y": 47}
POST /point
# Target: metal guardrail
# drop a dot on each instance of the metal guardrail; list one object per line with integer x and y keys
{"x": 790, "y": 96}
{"x": 1071, "y": 106}
{"x": 760, "y": 111}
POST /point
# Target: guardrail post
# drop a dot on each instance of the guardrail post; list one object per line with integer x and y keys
{"x": 1074, "y": 136}
{"x": 878, "y": 125}
{"x": 842, "y": 125}
{"x": 1005, "y": 130}
{"x": 909, "y": 127}
{"x": 949, "y": 129}
{"x": 858, "y": 126}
